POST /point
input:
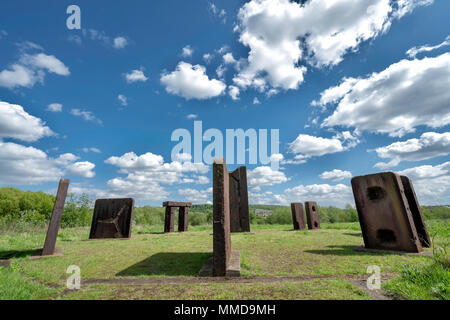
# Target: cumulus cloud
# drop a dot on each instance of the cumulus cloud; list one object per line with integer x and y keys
{"x": 31, "y": 68}
{"x": 282, "y": 35}
{"x": 196, "y": 196}
{"x": 431, "y": 183}
{"x": 324, "y": 194}
{"x": 54, "y": 107}
{"x": 135, "y": 76}
{"x": 335, "y": 175}
{"x": 407, "y": 94}
{"x": 219, "y": 13}
{"x": 265, "y": 176}
{"x": 86, "y": 115}
{"x": 233, "y": 91}
{"x": 427, "y": 146}
{"x": 256, "y": 100}
{"x": 21, "y": 165}
{"x": 146, "y": 175}
{"x": 92, "y": 149}
{"x": 187, "y": 51}
{"x": 306, "y": 146}
{"x": 16, "y": 123}
{"x": 192, "y": 82}
{"x": 120, "y": 42}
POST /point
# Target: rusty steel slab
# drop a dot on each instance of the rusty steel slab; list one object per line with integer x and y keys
{"x": 239, "y": 210}
{"x": 298, "y": 216}
{"x": 384, "y": 213}
{"x": 416, "y": 212}
{"x": 55, "y": 220}
{"x": 169, "y": 219}
{"x": 112, "y": 218}
{"x": 221, "y": 218}
{"x": 312, "y": 215}
{"x": 177, "y": 204}
{"x": 183, "y": 219}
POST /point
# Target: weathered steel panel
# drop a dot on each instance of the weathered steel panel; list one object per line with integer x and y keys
{"x": 239, "y": 210}
{"x": 384, "y": 214}
{"x": 55, "y": 220}
{"x": 221, "y": 218}
{"x": 312, "y": 215}
{"x": 183, "y": 219}
{"x": 169, "y": 219}
{"x": 298, "y": 216}
{"x": 112, "y": 218}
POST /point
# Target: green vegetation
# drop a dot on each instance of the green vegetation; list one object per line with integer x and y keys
{"x": 273, "y": 249}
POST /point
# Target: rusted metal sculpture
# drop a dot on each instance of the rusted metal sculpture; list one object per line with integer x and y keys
{"x": 239, "y": 211}
{"x": 298, "y": 216}
{"x": 389, "y": 213}
{"x": 55, "y": 220}
{"x": 112, "y": 218}
{"x": 221, "y": 218}
{"x": 182, "y": 215}
{"x": 312, "y": 215}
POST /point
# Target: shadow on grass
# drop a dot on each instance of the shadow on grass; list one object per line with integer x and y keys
{"x": 168, "y": 264}
{"x": 10, "y": 254}
{"x": 346, "y": 251}
{"x": 354, "y": 234}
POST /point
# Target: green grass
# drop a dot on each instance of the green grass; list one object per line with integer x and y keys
{"x": 269, "y": 250}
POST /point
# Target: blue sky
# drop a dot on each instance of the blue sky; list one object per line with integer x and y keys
{"x": 98, "y": 105}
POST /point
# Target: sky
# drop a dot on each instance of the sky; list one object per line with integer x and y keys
{"x": 353, "y": 88}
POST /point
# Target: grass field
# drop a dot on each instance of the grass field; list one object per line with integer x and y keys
{"x": 276, "y": 263}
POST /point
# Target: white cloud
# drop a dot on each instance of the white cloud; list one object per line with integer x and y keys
{"x": 196, "y": 196}
{"x": 256, "y": 101}
{"x": 54, "y": 107}
{"x": 82, "y": 169}
{"x": 31, "y": 69}
{"x": 431, "y": 183}
{"x": 407, "y": 6}
{"x": 233, "y": 91}
{"x": 20, "y": 165}
{"x": 265, "y": 176}
{"x": 86, "y": 115}
{"x": 92, "y": 149}
{"x": 335, "y": 175}
{"x": 228, "y": 58}
{"x": 407, "y": 94}
{"x": 207, "y": 57}
{"x": 427, "y": 146}
{"x": 120, "y": 42}
{"x": 324, "y": 194}
{"x": 147, "y": 174}
{"x": 191, "y": 82}
{"x": 123, "y": 100}
{"x": 282, "y": 33}
{"x": 135, "y": 76}
{"x": 187, "y": 51}
{"x": 310, "y": 146}
{"x": 413, "y": 52}
{"x": 16, "y": 123}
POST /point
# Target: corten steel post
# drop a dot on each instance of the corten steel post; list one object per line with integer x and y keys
{"x": 384, "y": 213}
{"x": 298, "y": 217}
{"x": 239, "y": 210}
{"x": 169, "y": 219}
{"x": 312, "y": 215}
{"x": 221, "y": 218}
{"x": 183, "y": 219}
{"x": 55, "y": 220}
{"x": 416, "y": 212}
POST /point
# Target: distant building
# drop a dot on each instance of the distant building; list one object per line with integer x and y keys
{"x": 263, "y": 213}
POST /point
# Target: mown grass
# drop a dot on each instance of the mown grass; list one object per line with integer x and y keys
{"x": 269, "y": 250}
